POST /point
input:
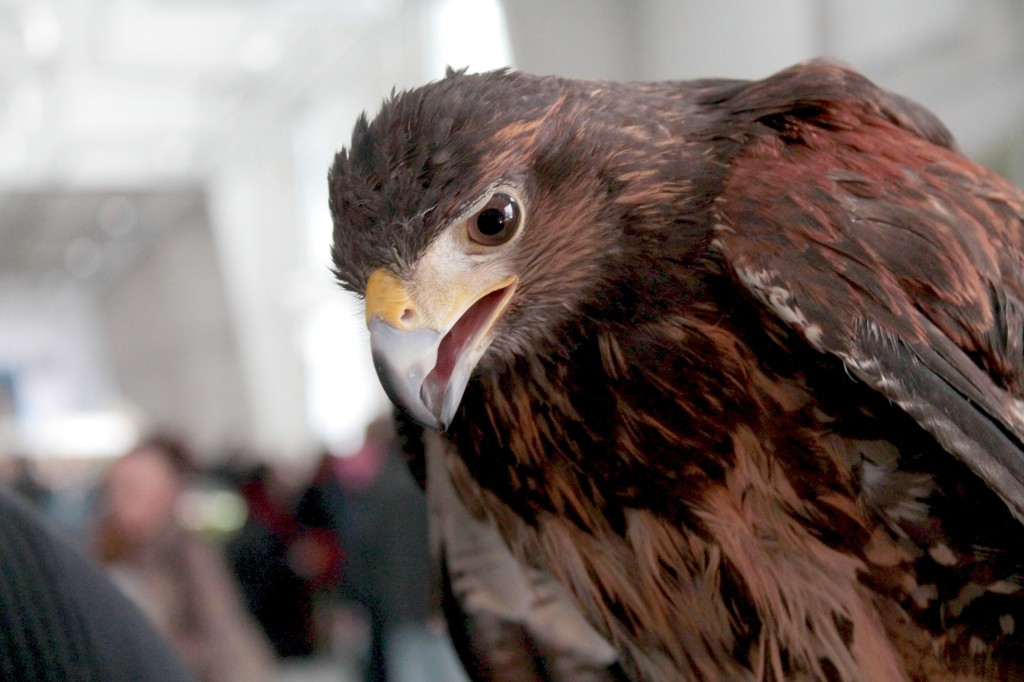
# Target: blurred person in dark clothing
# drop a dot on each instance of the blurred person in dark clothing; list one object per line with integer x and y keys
{"x": 384, "y": 531}
{"x": 179, "y": 581}
{"x": 16, "y": 475}
{"x": 320, "y": 512}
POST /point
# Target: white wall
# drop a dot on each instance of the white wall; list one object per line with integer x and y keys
{"x": 962, "y": 58}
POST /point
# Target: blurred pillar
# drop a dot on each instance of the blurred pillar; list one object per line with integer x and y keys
{"x": 260, "y": 246}
{"x": 172, "y": 348}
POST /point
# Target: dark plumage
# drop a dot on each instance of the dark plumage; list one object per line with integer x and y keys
{"x": 741, "y": 364}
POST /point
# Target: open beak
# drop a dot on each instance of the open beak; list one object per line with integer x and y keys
{"x": 424, "y": 351}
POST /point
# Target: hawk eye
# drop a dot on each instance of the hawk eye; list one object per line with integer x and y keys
{"x": 496, "y": 222}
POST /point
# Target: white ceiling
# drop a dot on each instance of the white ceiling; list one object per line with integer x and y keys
{"x": 135, "y": 91}
{"x": 123, "y": 110}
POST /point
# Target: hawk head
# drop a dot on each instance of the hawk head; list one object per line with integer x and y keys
{"x": 486, "y": 214}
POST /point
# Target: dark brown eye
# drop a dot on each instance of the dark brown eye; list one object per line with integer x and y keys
{"x": 496, "y": 222}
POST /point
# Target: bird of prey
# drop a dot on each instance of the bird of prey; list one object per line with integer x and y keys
{"x": 739, "y": 363}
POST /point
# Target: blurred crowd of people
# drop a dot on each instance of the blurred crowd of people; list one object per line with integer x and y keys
{"x": 332, "y": 566}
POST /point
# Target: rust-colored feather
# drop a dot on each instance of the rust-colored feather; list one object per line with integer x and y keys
{"x": 757, "y": 399}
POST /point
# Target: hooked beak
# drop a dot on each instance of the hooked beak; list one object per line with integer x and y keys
{"x": 425, "y": 351}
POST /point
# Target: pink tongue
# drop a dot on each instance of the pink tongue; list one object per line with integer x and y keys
{"x": 452, "y": 345}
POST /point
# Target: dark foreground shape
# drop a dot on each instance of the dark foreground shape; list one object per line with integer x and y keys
{"x": 61, "y": 620}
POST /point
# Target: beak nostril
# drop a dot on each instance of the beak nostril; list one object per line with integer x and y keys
{"x": 408, "y": 315}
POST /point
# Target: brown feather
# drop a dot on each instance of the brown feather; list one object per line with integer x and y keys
{"x": 757, "y": 400}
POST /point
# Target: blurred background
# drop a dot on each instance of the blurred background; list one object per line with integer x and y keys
{"x": 164, "y": 249}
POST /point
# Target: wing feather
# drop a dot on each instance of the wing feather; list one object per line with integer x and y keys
{"x": 884, "y": 247}
{"x": 949, "y": 403}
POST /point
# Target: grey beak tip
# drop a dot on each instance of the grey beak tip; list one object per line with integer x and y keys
{"x": 403, "y": 360}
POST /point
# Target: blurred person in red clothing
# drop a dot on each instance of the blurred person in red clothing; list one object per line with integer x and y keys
{"x": 288, "y": 560}
{"x": 177, "y": 580}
